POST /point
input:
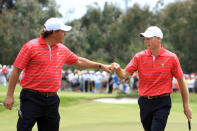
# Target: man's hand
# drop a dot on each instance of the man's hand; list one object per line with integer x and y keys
{"x": 107, "y": 68}
{"x": 115, "y": 66}
{"x": 188, "y": 112}
{"x": 121, "y": 73}
{"x": 8, "y": 102}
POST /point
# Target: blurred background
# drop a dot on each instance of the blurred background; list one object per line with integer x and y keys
{"x": 103, "y": 31}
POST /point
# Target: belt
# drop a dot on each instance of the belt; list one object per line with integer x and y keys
{"x": 156, "y": 97}
{"x": 46, "y": 94}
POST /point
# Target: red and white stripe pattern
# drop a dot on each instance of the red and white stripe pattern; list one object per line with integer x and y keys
{"x": 155, "y": 76}
{"x": 42, "y": 64}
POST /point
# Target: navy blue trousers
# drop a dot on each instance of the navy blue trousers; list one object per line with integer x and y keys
{"x": 154, "y": 112}
{"x": 36, "y": 108}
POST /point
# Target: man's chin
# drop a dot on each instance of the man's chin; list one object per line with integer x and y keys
{"x": 60, "y": 42}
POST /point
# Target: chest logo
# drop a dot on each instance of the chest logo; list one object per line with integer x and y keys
{"x": 57, "y": 53}
{"x": 162, "y": 65}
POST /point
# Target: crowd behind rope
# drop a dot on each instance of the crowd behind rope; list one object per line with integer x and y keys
{"x": 99, "y": 82}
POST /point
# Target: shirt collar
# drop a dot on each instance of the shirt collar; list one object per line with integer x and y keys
{"x": 161, "y": 53}
{"x": 43, "y": 42}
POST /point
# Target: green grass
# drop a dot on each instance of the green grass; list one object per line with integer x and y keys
{"x": 79, "y": 113}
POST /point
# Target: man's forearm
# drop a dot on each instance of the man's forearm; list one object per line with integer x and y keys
{"x": 121, "y": 73}
{"x": 13, "y": 81}
{"x": 185, "y": 98}
{"x": 184, "y": 92}
{"x": 85, "y": 63}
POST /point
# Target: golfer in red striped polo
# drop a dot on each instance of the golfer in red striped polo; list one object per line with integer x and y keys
{"x": 41, "y": 61}
{"x": 156, "y": 67}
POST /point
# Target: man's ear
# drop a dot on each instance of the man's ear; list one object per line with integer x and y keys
{"x": 159, "y": 38}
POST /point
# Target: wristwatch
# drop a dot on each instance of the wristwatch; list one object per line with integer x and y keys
{"x": 100, "y": 65}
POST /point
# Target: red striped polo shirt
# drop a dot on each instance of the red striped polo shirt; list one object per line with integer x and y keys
{"x": 155, "y": 77}
{"x": 42, "y": 64}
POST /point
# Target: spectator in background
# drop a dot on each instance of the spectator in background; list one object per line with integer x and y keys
{"x": 62, "y": 88}
{"x": 115, "y": 81}
{"x": 10, "y": 68}
{"x": 175, "y": 85}
{"x": 65, "y": 82}
{"x": 3, "y": 75}
{"x": 91, "y": 82}
{"x": 105, "y": 78}
{"x": 75, "y": 81}
{"x": 191, "y": 82}
{"x": 87, "y": 81}
{"x": 126, "y": 86}
{"x": 5, "y": 71}
{"x": 67, "y": 85}
{"x": 187, "y": 79}
{"x": 195, "y": 85}
{"x": 135, "y": 82}
{"x": 110, "y": 83}
{"x": 98, "y": 80}
{"x": 81, "y": 81}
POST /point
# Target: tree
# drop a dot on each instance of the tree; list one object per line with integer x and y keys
{"x": 97, "y": 25}
{"x": 7, "y": 4}
{"x": 124, "y": 33}
{"x": 21, "y": 25}
{"x": 10, "y": 4}
{"x": 180, "y": 24}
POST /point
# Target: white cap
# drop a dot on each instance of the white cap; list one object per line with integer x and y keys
{"x": 151, "y": 32}
{"x": 56, "y": 24}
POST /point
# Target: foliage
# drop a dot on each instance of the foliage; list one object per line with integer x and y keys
{"x": 97, "y": 25}
{"x": 103, "y": 35}
{"x": 6, "y": 4}
{"x": 179, "y": 20}
{"x": 11, "y": 4}
{"x": 19, "y": 26}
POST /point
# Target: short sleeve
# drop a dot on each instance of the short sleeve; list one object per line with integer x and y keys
{"x": 176, "y": 69}
{"x": 71, "y": 57}
{"x": 132, "y": 65}
{"x": 23, "y": 57}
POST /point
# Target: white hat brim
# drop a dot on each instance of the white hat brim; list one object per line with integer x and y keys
{"x": 146, "y": 35}
{"x": 66, "y": 28}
